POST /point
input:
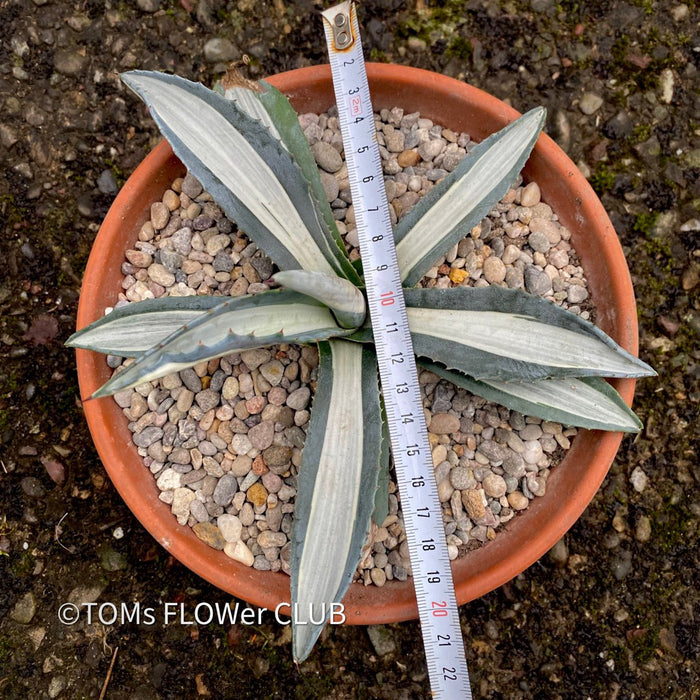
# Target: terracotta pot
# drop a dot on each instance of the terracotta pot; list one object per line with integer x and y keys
{"x": 570, "y": 486}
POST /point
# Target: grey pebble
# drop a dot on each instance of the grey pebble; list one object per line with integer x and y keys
{"x": 590, "y": 103}
{"x": 539, "y": 242}
{"x": 462, "y": 478}
{"x": 442, "y": 397}
{"x": 218, "y": 49}
{"x": 622, "y": 564}
{"x": 513, "y": 464}
{"x": 299, "y": 398}
{"x": 32, "y": 487}
{"x": 576, "y": 294}
{"x": 114, "y": 361}
{"x": 225, "y": 489}
{"x": 207, "y": 399}
{"x": 494, "y": 452}
{"x": 330, "y": 185}
{"x": 327, "y": 157}
{"x": 191, "y": 380}
{"x": 537, "y": 281}
{"x": 147, "y": 436}
{"x": 247, "y": 515}
{"x": 171, "y": 260}
{"x": 106, "y": 183}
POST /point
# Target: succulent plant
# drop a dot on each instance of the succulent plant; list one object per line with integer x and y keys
{"x": 246, "y": 147}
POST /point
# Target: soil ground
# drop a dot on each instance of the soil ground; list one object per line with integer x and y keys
{"x": 612, "y": 612}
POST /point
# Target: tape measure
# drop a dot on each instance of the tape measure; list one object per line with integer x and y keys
{"x": 422, "y": 513}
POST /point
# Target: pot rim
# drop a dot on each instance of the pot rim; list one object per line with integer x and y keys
{"x": 571, "y": 485}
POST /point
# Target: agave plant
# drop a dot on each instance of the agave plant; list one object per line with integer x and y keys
{"x": 246, "y": 147}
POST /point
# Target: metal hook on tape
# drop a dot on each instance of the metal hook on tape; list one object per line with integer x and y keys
{"x": 340, "y": 20}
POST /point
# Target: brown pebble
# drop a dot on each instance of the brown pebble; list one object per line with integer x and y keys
{"x": 277, "y": 395}
{"x": 378, "y": 576}
{"x": 147, "y": 232}
{"x": 255, "y": 405}
{"x": 139, "y": 258}
{"x": 473, "y": 500}
{"x": 259, "y": 466}
{"x": 444, "y": 423}
{"x": 518, "y": 501}
{"x": 257, "y": 495}
{"x": 494, "y": 270}
{"x": 409, "y": 158}
{"x": 171, "y": 200}
{"x": 689, "y": 278}
{"x": 160, "y": 215}
{"x": 209, "y": 534}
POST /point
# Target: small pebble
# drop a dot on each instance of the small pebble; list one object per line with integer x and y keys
{"x": 444, "y": 423}
{"x": 518, "y": 501}
{"x": 639, "y": 479}
{"x": 257, "y": 494}
{"x": 239, "y": 552}
{"x": 160, "y": 215}
{"x": 209, "y": 534}
{"x": 590, "y": 103}
{"x": 327, "y": 157}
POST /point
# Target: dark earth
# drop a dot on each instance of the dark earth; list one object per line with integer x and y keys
{"x": 612, "y": 612}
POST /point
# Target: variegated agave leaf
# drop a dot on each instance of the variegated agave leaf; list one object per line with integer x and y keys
{"x": 231, "y": 326}
{"x": 589, "y": 402}
{"x": 265, "y": 103}
{"x": 496, "y": 333}
{"x": 252, "y": 177}
{"x": 338, "y": 294}
{"x": 286, "y": 120}
{"x": 246, "y": 94}
{"x": 129, "y": 330}
{"x": 461, "y": 200}
{"x": 337, "y": 482}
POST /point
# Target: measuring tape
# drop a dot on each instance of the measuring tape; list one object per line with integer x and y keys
{"x": 422, "y": 514}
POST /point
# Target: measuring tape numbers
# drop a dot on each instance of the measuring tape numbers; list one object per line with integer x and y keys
{"x": 422, "y": 513}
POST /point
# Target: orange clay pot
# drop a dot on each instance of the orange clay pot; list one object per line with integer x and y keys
{"x": 570, "y": 487}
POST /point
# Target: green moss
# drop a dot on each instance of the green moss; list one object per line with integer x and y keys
{"x": 119, "y": 175}
{"x": 22, "y": 565}
{"x": 6, "y": 650}
{"x": 618, "y": 654}
{"x": 671, "y": 526}
{"x": 436, "y": 23}
{"x": 644, "y": 645}
{"x": 655, "y": 267}
{"x": 641, "y": 133}
{"x": 4, "y": 421}
{"x": 646, "y": 5}
{"x": 11, "y": 213}
{"x": 459, "y": 48}
{"x": 572, "y": 10}
{"x": 171, "y": 8}
{"x": 378, "y": 56}
{"x": 633, "y": 77}
{"x": 645, "y": 222}
{"x": 603, "y": 179}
